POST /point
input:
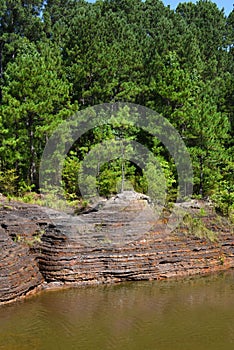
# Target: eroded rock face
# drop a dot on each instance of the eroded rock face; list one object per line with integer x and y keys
{"x": 62, "y": 259}
{"x": 118, "y": 240}
{"x": 19, "y": 272}
{"x": 124, "y": 241}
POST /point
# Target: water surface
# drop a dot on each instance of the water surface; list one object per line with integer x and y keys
{"x": 191, "y": 314}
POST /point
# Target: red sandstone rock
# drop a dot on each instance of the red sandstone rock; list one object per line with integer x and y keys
{"x": 85, "y": 250}
{"x": 19, "y": 272}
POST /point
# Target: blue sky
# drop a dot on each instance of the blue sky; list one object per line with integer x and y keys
{"x": 227, "y": 4}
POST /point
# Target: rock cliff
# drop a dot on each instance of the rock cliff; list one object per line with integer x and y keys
{"x": 19, "y": 271}
{"x": 118, "y": 240}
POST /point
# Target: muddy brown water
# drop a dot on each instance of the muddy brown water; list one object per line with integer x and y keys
{"x": 189, "y": 314}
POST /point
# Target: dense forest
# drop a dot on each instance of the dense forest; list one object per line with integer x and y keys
{"x": 62, "y": 56}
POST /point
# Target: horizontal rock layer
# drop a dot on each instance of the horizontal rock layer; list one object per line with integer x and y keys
{"x": 62, "y": 259}
{"x": 117, "y": 241}
{"x": 19, "y": 272}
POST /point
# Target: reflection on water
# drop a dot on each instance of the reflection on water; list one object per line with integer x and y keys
{"x": 193, "y": 314}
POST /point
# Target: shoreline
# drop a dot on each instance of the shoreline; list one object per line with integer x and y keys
{"x": 52, "y": 287}
{"x": 31, "y": 264}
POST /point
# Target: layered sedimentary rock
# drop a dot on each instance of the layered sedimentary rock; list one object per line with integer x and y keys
{"x": 65, "y": 260}
{"x": 117, "y": 240}
{"x": 19, "y": 272}
{"x": 122, "y": 242}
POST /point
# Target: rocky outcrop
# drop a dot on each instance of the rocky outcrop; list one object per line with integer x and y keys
{"x": 19, "y": 272}
{"x": 114, "y": 241}
{"x": 65, "y": 260}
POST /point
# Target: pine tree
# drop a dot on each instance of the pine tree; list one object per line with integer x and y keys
{"x": 35, "y": 100}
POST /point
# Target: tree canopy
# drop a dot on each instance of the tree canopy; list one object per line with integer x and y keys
{"x": 60, "y": 56}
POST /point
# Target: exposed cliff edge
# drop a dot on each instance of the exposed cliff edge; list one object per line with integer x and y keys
{"x": 118, "y": 240}
{"x": 19, "y": 272}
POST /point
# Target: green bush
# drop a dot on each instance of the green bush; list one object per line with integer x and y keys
{"x": 224, "y": 199}
{"x": 8, "y": 182}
